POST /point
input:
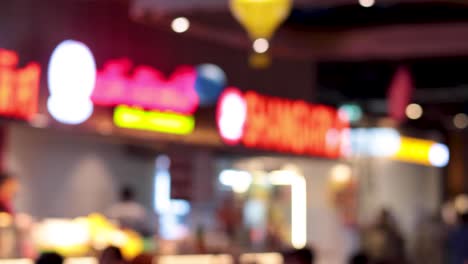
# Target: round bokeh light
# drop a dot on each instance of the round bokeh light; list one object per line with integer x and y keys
{"x": 180, "y": 24}
{"x": 367, "y": 3}
{"x": 439, "y": 155}
{"x": 209, "y": 84}
{"x": 71, "y": 79}
{"x": 231, "y": 116}
{"x": 414, "y": 111}
{"x": 261, "y": 45}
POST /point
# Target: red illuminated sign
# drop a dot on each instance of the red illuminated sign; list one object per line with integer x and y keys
{"x": 146, "y": 88}
{"x": 19, "y": 88}
{"x": 271, "y": 123}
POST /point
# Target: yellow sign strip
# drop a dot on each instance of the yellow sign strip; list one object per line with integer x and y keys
{"x": 164, "y": 122}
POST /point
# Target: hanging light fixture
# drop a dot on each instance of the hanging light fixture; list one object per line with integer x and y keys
{"x": 260, "y": 18}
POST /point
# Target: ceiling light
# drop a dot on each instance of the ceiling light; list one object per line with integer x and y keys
{"x": 261, "y": 45}
{"x": 180, "y": 25}
{"x": 414, "y": 111}
{"x": 366, "y": 3}
{"x": 460, "y": 121}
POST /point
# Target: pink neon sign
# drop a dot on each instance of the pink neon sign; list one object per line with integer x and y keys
{"x": 146, "y": 87}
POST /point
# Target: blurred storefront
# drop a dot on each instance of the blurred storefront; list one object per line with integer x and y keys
{"x": 327, "y": 199}
{"x": 257, "y": 168}
{"x": 282, "y": 199}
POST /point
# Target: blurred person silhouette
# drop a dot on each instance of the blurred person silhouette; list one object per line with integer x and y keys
{"x": 383, "y": 242}
{"x": 299, "y": 256}
{"x": 111, "y": 255}
{"x": 49, "y": 258}
{"x": 144, "y": 259}
{"x": 129, "y": 213}
{"x": 359, "y": 258}
{"x": 458, "y": 238}
{"x": 200, "y": 243}
{"x": 19, "y": 244}
{"x": 230, "y": 217}
{"x": 429, "y": 240}
{"x": 8, "y": 188}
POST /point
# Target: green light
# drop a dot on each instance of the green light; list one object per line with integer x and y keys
{"x": 170, "y": 123}
{"x": 352, "y": 112}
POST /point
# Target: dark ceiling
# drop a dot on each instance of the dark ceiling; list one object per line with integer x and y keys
{"x": 348, "y": 16}
{"x": 369, "y": 79}
{"x": 359, "y": 49}
{"x": 366, "y": 81}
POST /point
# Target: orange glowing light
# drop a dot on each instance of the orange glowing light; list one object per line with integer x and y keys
{"x": 290, "y": 126}
{"x": 19, "y": 88}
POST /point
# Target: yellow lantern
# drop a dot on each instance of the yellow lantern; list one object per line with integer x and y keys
{"x": 261, "y": 18}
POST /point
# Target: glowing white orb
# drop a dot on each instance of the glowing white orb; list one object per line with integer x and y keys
{"x": 261, "y": 45}
{"x": 439, "y": 155}
{"x": 367, "y": 3}
{"x": 239, "y": 181}
{"x": 71, "y": 78}
{"x": 232, "y": 114}
{"x": 180, "y": 25}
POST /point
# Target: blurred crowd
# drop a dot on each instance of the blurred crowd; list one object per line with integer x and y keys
{"x": 113, "y": 255}
{"x": 437, "y": 239}
{"x": 440, "y": 238}
{"x": 437, "y": 242}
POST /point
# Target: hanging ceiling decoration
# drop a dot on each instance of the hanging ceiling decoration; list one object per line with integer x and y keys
{"x": 260, "y": 18}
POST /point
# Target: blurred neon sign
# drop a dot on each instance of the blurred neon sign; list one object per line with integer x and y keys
{"x": 388, "y": 143}
{"x": 271, "y": 123}
{"x": 19, "y": 88}
{"x": 375, "y": 142}
{"x": 424, "y": 152}
{"x": 146, "y": 88}
{"x": 164, "y": 122}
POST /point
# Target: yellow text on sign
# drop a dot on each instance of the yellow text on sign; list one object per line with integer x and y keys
{"x": 170, "y": 123}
